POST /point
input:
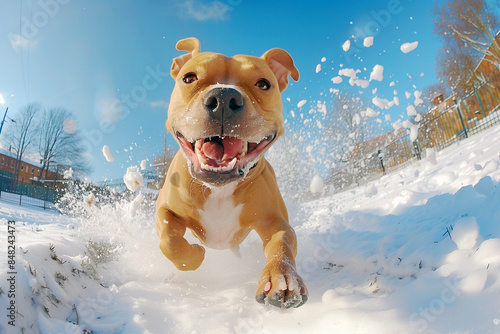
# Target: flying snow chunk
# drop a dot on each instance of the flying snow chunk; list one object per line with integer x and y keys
{"x": 348, "y": 72}
{"x": 418, "y": 100}
{"x": 133, "y": 178}
{"x": 377, "y": 73}
{"x": 337, "y": 79}
{"x": 143, "y": 164}
{"x": 410, "y": 110}
{"x": 89, "y": 199}
{"x": 107, "y": 154}
{"x": 317, "y": 185}
{"x": 408, "y": 95}
{"x": 347, "y": 45}
{"x": 397, "y": 125}
{"x": 323, "y": 59}
{"x": 371, "y": 113}
{"x": 2, "y": 100}
{"x": 135, "y": 205}
{"x": 387, "y": 117}
{"x": 318, "y": 68}
{"x": 396, "y": 100}
{"x": 392, "y": 84}
{"x": 381, "y": 103}
{"x": 368, "y": 41}
{"x": 301, "y": 103}
{"x": 408, "y": 47}
{"x": 465, "y": 233}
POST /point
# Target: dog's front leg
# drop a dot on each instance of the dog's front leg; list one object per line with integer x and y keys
{"x": 279, "y": 283}
{"x": 174, "y": 246}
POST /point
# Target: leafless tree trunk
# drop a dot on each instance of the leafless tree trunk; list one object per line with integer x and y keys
{"x": 23, "y": 134}
{"x": 60, "y": 143}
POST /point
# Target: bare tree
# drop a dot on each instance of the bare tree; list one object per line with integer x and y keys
{"x": 23, "y": 134}
{"x": 469, "y": 24}
{"x": 60, "y": 143}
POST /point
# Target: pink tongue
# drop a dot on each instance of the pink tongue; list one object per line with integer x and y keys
{"x": 229, "y": 149}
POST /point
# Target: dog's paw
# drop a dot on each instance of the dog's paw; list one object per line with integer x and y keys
{"x": 281, "y": 286}
{"x": 191, "y": 260}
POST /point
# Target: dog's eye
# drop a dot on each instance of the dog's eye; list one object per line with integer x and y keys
{"x": 189, "y": 78}
{"x": 263, "y": 84}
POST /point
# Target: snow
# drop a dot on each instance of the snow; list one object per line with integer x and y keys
{"x": 337, "y": 79}
{"x": 368, "y": 41}
{"x": 133, "y": 178}
{"x": 377, "y": 73}
{"x": 318, "y": 68}
{"x": 107, "y": 154}
{"x": 376, "y": 259}
{"x": 144, "y": 164}
{"x": 381, "y": 103}
{"x": 408, "y": 47}
{"x": 323, "y": 59}
{"x": 301, "y": 103}
{"x": 410, "y": 110}
{"x": 347, "y": 45}
{"x": 317, "y": 185}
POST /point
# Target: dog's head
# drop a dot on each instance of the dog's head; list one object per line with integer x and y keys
{"x": 226, "y": 112}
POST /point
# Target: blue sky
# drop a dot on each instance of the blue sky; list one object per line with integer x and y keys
{"x": 91, "y": 56}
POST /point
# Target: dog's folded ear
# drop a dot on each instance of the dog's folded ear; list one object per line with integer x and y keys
{"x": 281, "y": 63}
{"x": 191, "y": 45}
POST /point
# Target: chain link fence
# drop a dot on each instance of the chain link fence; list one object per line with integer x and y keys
{"x": 27, "y": 194}
{"x": 451, "y": 121}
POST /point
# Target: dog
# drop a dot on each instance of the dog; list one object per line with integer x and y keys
{"x": 225, "y": 112}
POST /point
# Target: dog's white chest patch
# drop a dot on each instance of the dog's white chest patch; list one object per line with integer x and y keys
{"x": 220, "y": 217}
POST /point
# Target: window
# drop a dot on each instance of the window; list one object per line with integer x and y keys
{"x": 3, "y": 160}
{"x": 22, "y": 168}
{"x": 12, "y": 163}
{"x": 32, "y": 170}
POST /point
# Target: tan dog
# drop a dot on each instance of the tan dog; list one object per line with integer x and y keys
{"x": 225, "y": 113}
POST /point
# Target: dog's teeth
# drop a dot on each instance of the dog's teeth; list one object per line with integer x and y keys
{"x": 232, "y": 163}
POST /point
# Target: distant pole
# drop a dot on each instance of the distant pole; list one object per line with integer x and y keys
{"x": 461, "y": 119}
{"x": 3, "y": 121}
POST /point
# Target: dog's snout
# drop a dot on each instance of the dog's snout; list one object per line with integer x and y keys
{"x": 222, "y": 103}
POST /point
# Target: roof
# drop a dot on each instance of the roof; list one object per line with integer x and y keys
{"x": 13, "y": 156}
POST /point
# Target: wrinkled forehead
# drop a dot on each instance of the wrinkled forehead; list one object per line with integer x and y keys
{"x": 222, "y": 69}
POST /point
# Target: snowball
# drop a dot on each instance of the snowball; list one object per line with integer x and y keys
{"x": 143, "y": 164}
{"x": 337, "y": 79}
{"x": 474, "y": 282}
{"x": 410, "y": 110}
{"x": 408, "y": 47}
{"x": 89, "y": 199}
{"x": 301, "y": 103}
{"x": 485, "y": 186}
{"x": 381, "y": 103}
{"x": 377, "y": 73}
{"x": 346, "y": 46}
{"x": 318, "y": 68}
{"x": 107, "y": 154}
{"x": 392, "y": 84}
{"x": 323, "y": 59}
{"x": 370, "y": 190}
{"x": 368, "y": 41}
{"x": 317, "y": 185}
{"x": 371, "y": 113}
{"x": 465, "y": 233}
{"x": 133, "y": 178}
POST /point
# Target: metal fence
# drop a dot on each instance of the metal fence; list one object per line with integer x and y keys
{"x": 27, "y": 194}
{"x": 440, "y": 127}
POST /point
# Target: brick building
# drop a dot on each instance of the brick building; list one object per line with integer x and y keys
{"x": 28, "y": 170}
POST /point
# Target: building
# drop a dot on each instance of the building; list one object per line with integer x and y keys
{"x": 29, "y": 171}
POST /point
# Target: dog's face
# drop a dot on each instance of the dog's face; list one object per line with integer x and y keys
{"x": 226, "y": 112}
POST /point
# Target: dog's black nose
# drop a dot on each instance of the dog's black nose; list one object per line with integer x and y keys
{"x": 222, "y": 103}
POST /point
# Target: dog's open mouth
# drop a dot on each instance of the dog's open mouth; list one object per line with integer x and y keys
{"x": 223, "y": 154}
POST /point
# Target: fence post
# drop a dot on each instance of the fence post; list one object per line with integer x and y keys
{"x": 461, "y": 118}
{"x": 479, "y": 100}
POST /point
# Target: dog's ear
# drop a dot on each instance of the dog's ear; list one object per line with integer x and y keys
{"x": 280, "y": 62}
{"x": 191, "y": 45}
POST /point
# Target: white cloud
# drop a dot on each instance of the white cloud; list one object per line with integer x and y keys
{"x": 200, "y": 11}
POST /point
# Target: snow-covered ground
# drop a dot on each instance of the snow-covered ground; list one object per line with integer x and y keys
{"x": 376, "y": 259}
